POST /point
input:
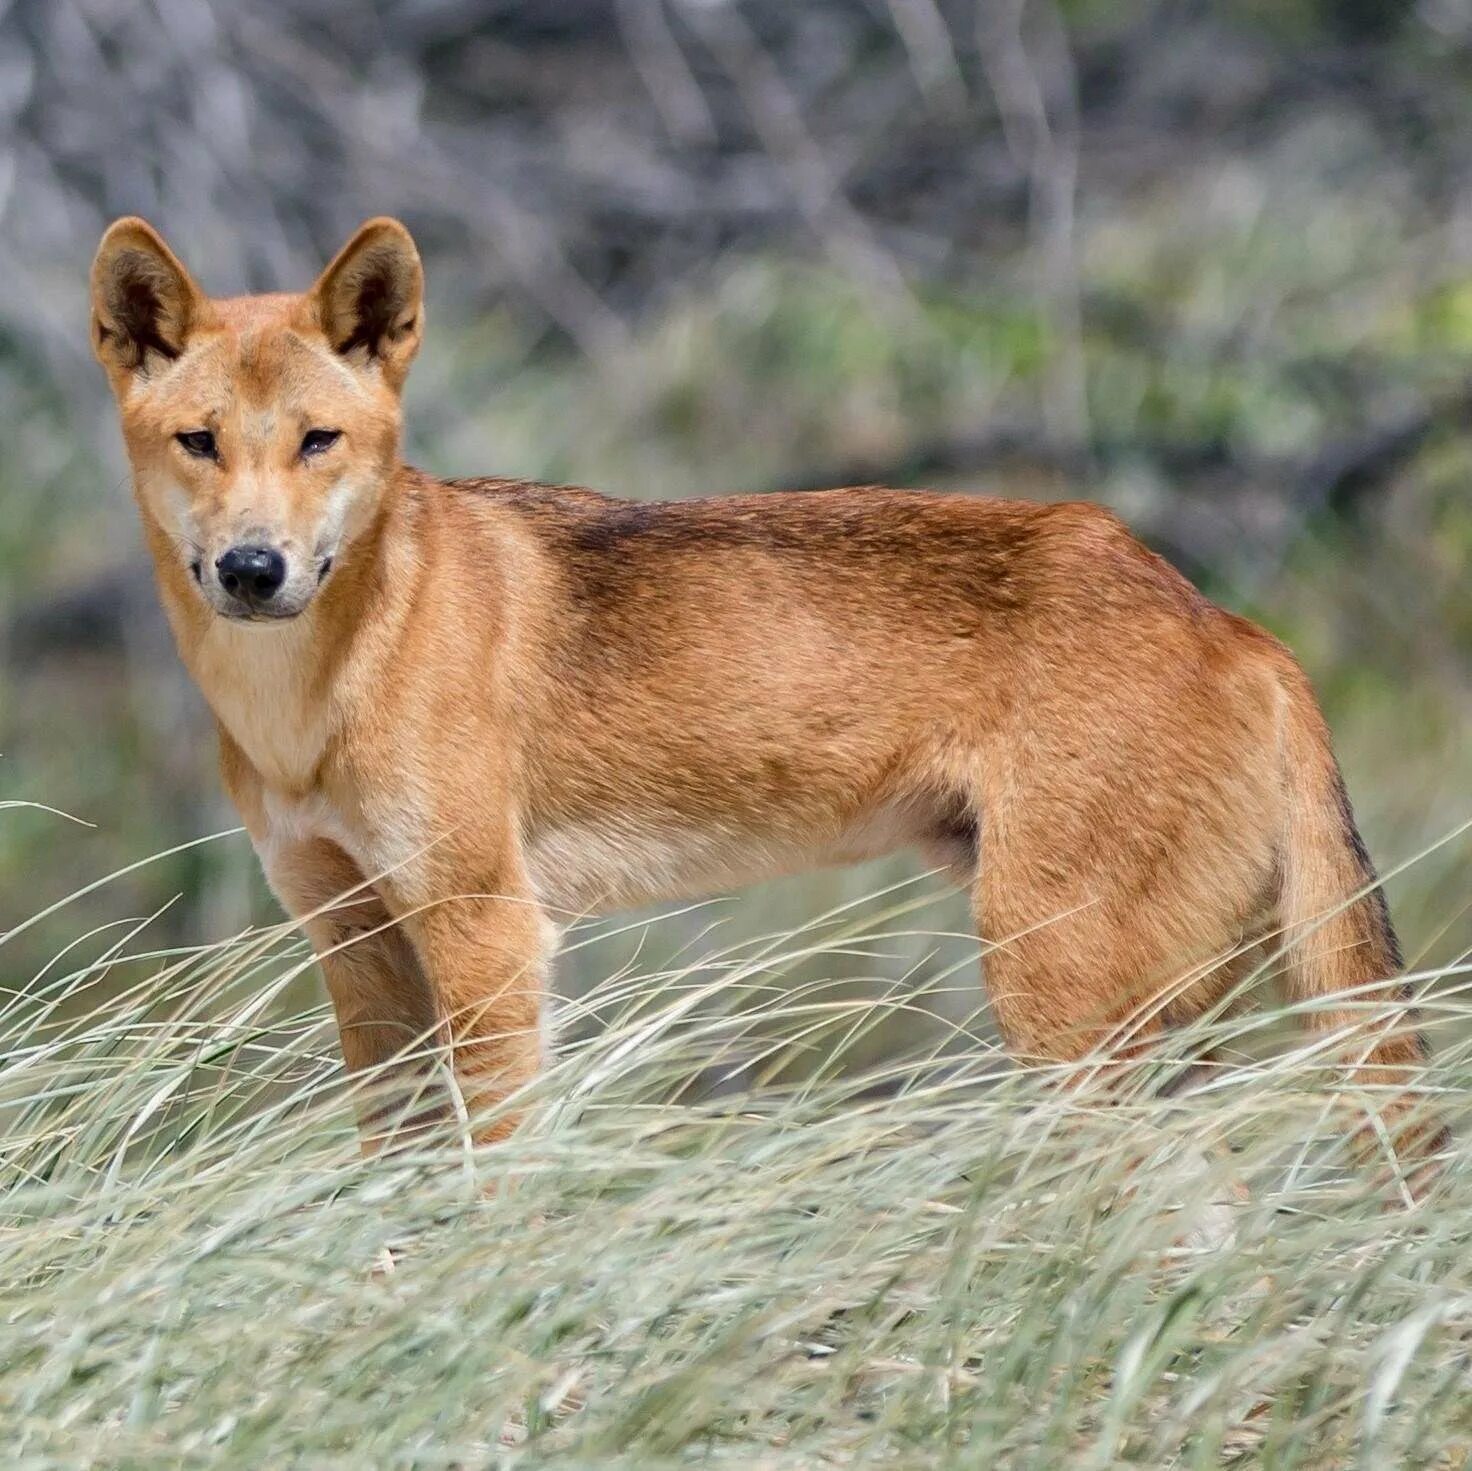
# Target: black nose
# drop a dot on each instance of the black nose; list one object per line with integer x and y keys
{"x": 253, "y": 574}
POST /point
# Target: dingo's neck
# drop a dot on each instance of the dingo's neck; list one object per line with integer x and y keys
{"x": 267, "y": 687}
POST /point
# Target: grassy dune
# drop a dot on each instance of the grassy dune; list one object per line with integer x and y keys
{"x": 719, "y": 1240}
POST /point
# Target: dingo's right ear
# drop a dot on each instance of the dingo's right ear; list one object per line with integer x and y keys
{"x": 143, "y": 300}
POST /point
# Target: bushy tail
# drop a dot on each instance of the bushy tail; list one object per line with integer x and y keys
{"x": 1336, "y": 927}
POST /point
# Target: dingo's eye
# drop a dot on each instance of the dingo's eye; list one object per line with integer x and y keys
{"x": 315, "y": 441}
{"x": 199, "y": 442}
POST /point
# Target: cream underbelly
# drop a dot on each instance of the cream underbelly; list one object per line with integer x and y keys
{"x": 618, "y": 863}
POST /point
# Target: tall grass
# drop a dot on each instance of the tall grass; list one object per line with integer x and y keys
{"x": 717, "y": 1241}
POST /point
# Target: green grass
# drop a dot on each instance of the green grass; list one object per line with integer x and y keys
{"x": 934, "y": 1259}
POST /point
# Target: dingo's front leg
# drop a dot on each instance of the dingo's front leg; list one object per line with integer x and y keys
{"x": 384, "y": 1006}
{"x": 485, "y": 959}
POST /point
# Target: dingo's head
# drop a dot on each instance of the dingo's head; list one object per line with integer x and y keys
{"x": 262, "y": 430}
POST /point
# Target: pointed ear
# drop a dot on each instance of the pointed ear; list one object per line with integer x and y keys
{"x": 370, "y": 300}
{"x": 143, "y": 301}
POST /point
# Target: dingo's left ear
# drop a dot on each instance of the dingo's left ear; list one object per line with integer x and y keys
{"x": 370, "y": 300}
{"x": 143, "y": 300}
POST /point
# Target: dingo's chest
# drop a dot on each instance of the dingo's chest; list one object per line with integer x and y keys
{"x": 381, "y": 846}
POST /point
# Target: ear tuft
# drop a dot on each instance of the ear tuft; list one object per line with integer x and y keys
{"x": 370, "y": 300}
{"x": 143, "y": 300}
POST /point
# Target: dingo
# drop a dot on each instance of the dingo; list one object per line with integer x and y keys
{"x": 480, "y": 705}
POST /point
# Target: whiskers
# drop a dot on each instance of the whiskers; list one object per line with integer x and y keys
{"x": 193, "y": 553}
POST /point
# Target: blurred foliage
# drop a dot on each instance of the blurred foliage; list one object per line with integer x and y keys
{"x": 1209, "y": 263}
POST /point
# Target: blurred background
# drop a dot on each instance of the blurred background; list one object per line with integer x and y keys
{"x": 1208, "y": 263}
